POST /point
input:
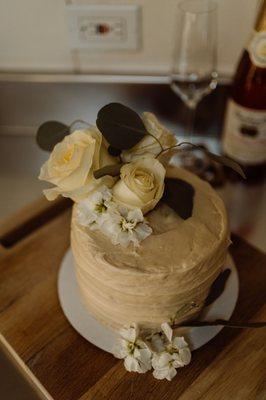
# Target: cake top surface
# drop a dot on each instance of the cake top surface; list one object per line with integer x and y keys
{"x": 174, "y": 243}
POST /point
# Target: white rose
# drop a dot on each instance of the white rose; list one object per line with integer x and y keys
{"x": 141, "y": 184}
{"x": 148, "y": 144}
{"x": 72, "y": 162}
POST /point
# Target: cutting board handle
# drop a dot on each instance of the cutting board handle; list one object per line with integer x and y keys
{"x": 30, "y": 218}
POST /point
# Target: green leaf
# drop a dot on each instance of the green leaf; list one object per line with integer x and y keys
{"x": 112, "y": 170}
{"x": 179, "y": 195}
{"x": 50, "y": 133}
{"x": 228, "y": 162}
{"x": 122, "y": 127}
{"x": 113, "y": 151}
{"x": 217, "y": 287}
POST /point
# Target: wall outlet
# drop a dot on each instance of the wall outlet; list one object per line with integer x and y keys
{"x": 104, "y": 27}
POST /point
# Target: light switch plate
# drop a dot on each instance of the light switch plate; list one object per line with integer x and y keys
{"x": 104, "y": 27}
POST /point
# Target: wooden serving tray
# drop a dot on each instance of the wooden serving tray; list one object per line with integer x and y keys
{"x": 231, "y": 366}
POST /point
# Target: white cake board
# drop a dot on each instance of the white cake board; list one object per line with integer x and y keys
{"x": 88, "y": 327}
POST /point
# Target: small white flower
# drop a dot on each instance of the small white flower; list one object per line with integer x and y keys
{"x": 164, "y": 365}
{"x": 176, "y": 354}
{"x": 167, "y": 330}
{"x": 100, "y": 212}
{"x": 92, "y": 211}
{"x": 184, "y": 352}
{"x": 136, "y": 354}
{"x": 125, "y": 226}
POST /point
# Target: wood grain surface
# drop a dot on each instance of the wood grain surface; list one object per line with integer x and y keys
{"x": 231, "y": 366}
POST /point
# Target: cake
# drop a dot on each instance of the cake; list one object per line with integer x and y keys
{"x": 174, "y": 266}
{"x": 149, "y": 238}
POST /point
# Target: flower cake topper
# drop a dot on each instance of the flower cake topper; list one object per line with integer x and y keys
{"x": 116, "y": 171}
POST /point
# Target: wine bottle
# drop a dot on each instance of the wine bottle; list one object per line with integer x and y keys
{"x": 244, "y": 134}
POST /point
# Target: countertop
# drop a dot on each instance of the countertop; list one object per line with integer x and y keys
{"x": 20, "y": 161}
{"x": 65, "y": 366}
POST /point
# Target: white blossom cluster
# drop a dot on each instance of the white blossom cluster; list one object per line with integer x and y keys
{"x": 121, "y": 224}
{"x": 163, "y": 352}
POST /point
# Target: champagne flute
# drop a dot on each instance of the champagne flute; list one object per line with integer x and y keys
{"x": 194, "y": 72}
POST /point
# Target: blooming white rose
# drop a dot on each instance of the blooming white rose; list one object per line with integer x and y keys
{"x": 72, "y": 162}
{"x": 149, "y": 145}
{"x": 136, "y": 354}
{"x": 141, "y": 184}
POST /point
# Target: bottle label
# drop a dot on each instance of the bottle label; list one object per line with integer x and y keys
{"x": 257, "y": 49}
{"x": 244, "y": 136}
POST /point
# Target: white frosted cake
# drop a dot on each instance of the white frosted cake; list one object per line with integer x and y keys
{"x": 148, "y": 238}
{"x": 172, "y": 267}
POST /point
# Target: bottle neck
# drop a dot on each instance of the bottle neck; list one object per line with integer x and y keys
{"x": 260, "y": 24}
{"x": 256, "y": 46}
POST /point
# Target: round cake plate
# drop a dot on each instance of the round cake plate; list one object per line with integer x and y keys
{"x": 96, "y": 333}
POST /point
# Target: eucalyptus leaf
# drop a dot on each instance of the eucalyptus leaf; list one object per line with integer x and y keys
{"x": 50, "y": 133}
{"x": 122, "y": 127}
{"x": 113, "y": 151}
{"x": 179, "y": 195}
{"x": 226, "y": 161}
{"x": 217, "y": 287}
{"x": 112, "y": 170}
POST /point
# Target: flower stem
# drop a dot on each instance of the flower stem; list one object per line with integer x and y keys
{"x": 222, "y": 322}
{"x": 177, "y": 145}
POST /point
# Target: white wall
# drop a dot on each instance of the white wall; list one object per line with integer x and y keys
{"x": 33, "y": 38}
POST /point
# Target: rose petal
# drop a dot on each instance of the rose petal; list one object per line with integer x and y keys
{"x": 149, "y": 145}
{"x": 125, "y": 196}
{"x": 72, "y": 162}
{"x": 78, "y": 176}
{"x": 141, "y": 184}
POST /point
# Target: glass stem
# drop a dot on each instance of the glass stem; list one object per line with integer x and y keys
{"x": 191, "y": 122}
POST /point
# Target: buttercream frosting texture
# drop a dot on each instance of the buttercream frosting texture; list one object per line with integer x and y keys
{"x": 174, "y": 266}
